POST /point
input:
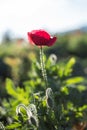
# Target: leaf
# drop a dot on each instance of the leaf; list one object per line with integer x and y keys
{"x": 68, "y": 67}
{"x": 81, "y": 88}
{"x": 10, "y": 88}
{"x": 74, "y": 80}
{"x": 65, "y": 90}
{"x": 17, "y": 92}
{"x": 13, "y": 126}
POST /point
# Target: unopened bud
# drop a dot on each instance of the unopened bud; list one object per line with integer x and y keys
{"x": 33, "y": 121}
{"x": 50, "y": 102}
{"x": 49, "y": 98}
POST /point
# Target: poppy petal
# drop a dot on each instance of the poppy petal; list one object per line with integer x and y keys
{"x": 41, "y": 33}
{"x": 40, "y": 38}
{"x": 52, "y": 41}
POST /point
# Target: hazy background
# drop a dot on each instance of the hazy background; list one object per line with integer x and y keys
{"x": 21, "y": 16}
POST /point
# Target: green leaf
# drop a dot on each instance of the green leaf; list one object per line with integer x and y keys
{"x": 74, "y": 80}
{"x": 17, "y": 92}
{"x": 81, "y": 88}
{"x": 10, "y": 88}
{"x": 68, "y": 67}
{"x": 13, "y": 126}
{"x": 65, "y": 90}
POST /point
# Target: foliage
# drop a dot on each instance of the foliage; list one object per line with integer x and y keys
{"x": 58, "y": 107}
{"x": 16, "y": 57}
{"x": 70, "y": 43}
{"x": 15, "y": 62}
{"x": 26, "y": 103}
{"x": 78, "y": 45}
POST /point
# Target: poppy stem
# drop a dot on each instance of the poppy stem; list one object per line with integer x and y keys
{"x": 43, "y": 66}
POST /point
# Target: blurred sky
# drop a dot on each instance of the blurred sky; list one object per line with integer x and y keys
{"x": 22, "y": 16}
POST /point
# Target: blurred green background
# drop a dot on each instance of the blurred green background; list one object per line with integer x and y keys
{"x": 20, "y": 79}
{"x": 17, "y": 55}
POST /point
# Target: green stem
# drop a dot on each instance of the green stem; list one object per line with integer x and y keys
{"x": 43, "y": 66}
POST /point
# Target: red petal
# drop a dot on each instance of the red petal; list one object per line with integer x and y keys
{"x": 29, "y": 38}
{"x": 52, "y": 41}
{"x": 41, "y": 38}
{"x": 41, "y": 33}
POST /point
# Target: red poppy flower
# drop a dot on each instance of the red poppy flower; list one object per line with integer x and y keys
{"x": 41, "y": 38}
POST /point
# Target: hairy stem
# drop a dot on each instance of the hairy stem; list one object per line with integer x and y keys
{"x": 43, "y": 66}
